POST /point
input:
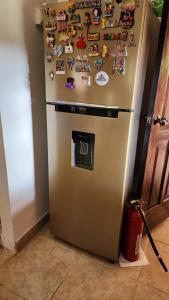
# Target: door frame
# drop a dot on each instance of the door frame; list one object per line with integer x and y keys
{"x": 146, "y": 116}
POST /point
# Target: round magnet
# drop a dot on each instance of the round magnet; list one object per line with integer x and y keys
{"x": 101, "y": 78}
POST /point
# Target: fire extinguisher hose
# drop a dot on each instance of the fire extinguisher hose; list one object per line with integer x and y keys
{"x": 151, "y": 240}
{"x": 137, "y": 203}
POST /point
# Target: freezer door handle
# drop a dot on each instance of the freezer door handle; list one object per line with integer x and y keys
{"x": 89, "y": 109}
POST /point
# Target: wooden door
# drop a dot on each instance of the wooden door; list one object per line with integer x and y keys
{"x": 155, "y": 191}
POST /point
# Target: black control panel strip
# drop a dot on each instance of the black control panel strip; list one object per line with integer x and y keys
{"x": 91, "y": 110}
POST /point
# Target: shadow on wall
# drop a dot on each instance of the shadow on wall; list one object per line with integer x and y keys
{"x": 33, "y": 36}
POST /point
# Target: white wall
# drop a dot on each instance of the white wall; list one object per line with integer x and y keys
{"x": 22, "y": 106}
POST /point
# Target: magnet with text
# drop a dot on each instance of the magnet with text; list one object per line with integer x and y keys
{"x": 126, "y": 19}
{"x": 119, "y": 36}
{"x": 94, "y": 50}
{"x": 86, "y": 80}
{"x": 104, "y": 51}
{"x": 60, "y": 66}
{"x": 118, "y": 66}
{"x": 70, "y": 62}
{"x": 88, "y": 4}
{"x": 101, "y": 78}
{"x": 62, "y": 21}
{"x": 70, "y": 83}
{"x": 98, "y": 62}
{"x": 81, "y": 44}
{"x": 50, "y": 39}
{"x": 58, "y": 50}
{"x": 95, "y": 36}
{"x": 132, "y": 41}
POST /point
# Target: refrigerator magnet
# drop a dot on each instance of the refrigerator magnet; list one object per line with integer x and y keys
{"x": 58, "y": 50}
{"x": 118, "y": 66}
{"x": 50, "y": 39}
{"x": 51, "y": 75}
{"x": 104, "y": 52}
{"x": 86, "y": 80}
{"x": 101, "y": 78}
{"x": 50, "y": 26}
{"x": 69, "y": 47}
{"x": 81, "y": 44}
{"x": 95, "y": 36}
{"x": 70, "y": 62}
{"x": 98, "y": 62}
{"x": 119, "y": 50}
{"x": 72, "y": 30}
{"x": 70, "y": 83}
{"x": 94, "y": 50}
{"x": 132, "y": 41}
{"x": 49, "y": 57}
{"x": 75, "y": 18}
{"x": 60, "y": 66}
{"x": 96, "y": 15}
{"x": 126, "y": 19}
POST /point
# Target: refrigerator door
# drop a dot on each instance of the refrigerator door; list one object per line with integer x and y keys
{"x": 120, "y": 89}
{"x": 87, "y": 156}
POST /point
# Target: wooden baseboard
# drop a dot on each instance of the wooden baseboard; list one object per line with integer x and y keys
{"x": 31, "y": 233}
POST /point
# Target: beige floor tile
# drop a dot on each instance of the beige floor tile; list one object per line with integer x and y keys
{"x": 161, "y": 232}
{"x": 144, "y": 292}
{"x": 153, "y": 275}
{"x": 4, "y": 256}
{"x": 37, "y": 271}
{"x": 5, "y": 294}
{"x": 91, "y": 280}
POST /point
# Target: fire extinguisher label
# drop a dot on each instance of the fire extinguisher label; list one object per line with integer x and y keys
{"x": 138, "y": 243}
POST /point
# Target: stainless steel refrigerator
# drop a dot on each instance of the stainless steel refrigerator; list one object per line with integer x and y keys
{"x": 93, "y": 108}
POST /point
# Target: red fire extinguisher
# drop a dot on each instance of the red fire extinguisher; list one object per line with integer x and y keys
{"x": 132, "y": 234}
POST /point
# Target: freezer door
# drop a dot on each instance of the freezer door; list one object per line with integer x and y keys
{"x": 87, "y": 159}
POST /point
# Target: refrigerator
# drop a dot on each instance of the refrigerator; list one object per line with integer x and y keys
{"x": 96, "y": 56}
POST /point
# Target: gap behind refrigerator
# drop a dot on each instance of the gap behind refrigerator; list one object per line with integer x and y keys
{"x": 95, "y": 60}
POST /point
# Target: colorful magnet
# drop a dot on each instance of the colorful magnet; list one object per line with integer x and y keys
{"x": 104, "y": 51}
{"x": 82, "y": 64}
{"x": 86, "y": 80}
{"x": 119, "y": 50}
{"x": 60, "y": 66}
{"x": 49, "y": 57}
{"x": 87, "y": 21}
{"x": 62, "y": 21}
{"x": 71, "y": 8}
{"x": 132, "y": 42}
{"x": 70, "y": 62}
{"x": 94, "y": 50}
{"x": 72, "y": 31}
{"x": 103, "y": 22}
{"x": 48, "y": 11}
{"x": 98, "y": 63}
{"x": 88, "y": 4}
{"x": 129, "y": 5}
{"x": 63, "y": 37}
{"x": 70, "y": 83}
{"x": 69, "y": 47}
{"x": 96, "y": 15}
{"x": 121, "y": 36}
{"x": 126, "y": 19}
{"x": 75, "y": 18}
{"x": 101, "y": 78}
{"x": 81, "y": 44}
{"x": 50, "y": 40}
{"x": 58, "y": 50}
{"x": 118, "y": 67}
{"x": 93, "y": 36}
{"x": 108, "y": 10}
{"x": 111, "y": 23}
{"x": 51, "y": 75}
{"x": 50, "y": 25}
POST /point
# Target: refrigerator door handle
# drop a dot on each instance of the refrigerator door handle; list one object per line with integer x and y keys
{"x": 89, "y": 109}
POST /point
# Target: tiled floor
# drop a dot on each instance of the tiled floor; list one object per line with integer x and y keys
{"x": 49, "y": 269}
